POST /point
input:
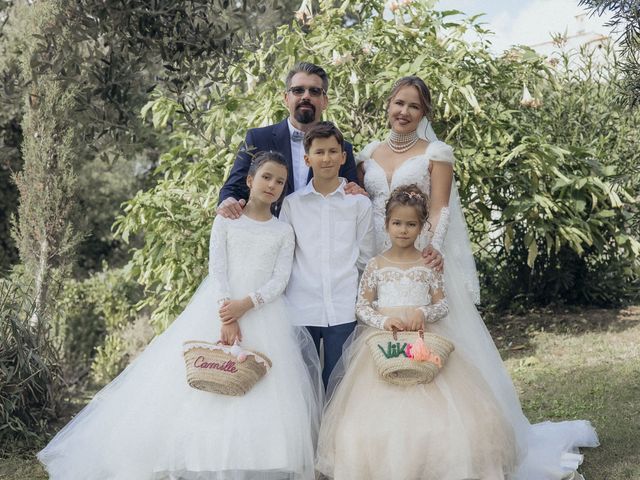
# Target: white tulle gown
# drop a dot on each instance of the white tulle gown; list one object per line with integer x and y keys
{"x": 148, "y": 424}
{"x": 546, "y": 451}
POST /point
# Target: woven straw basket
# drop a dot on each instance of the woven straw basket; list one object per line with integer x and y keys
{"x": 401, "y": 370}
{"x": 213, "y": 367}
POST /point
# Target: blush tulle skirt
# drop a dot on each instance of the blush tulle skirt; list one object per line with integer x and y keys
{"x": 449, "y": 429}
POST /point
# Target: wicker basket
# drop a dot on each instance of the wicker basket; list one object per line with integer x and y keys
{"x": 392, "y": 355}
{"x": 224, "y": 369}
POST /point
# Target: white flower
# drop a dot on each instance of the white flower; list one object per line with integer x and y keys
{"x": 251, "y": 82}
{"x": 526, "y": 99}
{"x": 336, "y": 58}
{"x": 353, "y": 78}
{"x": 393, "y": 6}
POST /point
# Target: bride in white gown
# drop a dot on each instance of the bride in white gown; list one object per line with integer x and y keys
{"x": 412, "y": 154}
{"x": 149, "y": 424}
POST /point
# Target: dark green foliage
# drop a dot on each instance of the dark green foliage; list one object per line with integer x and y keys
{"x": 626, "y": 22}
{"x": 30, "y": 376}
{"x": 87, "y": 311}
{"x": 10, "y": 158}
{"x": 114, "y": 53}
{"x": 562, "y": 198}
{"x": 8, "y": 204}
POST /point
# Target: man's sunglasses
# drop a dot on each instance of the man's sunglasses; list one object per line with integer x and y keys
{"x": 313, "y": 91}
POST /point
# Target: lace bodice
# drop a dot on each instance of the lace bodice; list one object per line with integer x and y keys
{"x": 385, "y": 286}
{"x": 248, "y": 257}
{"x": 412, "y": 170}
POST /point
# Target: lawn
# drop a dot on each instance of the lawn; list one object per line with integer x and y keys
{"x": 566, "y": 365}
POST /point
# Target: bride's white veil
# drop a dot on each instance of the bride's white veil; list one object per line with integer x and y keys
{"x": 549, "y": 450}
{"x": 457, "y": 245}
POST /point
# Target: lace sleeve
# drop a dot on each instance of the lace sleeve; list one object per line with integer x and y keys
{"x": 439, "y": 307}
{"x": 441, "y": 230}
{"x": 281, "y": 272}
{"x": 218, "y": 259}
{"x": 367, "y": 295}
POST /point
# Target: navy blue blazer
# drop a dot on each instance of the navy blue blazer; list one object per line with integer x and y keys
{"x": 272, "y": 137}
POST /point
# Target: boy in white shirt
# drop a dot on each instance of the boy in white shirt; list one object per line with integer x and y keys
{"x": 334, "y": 239}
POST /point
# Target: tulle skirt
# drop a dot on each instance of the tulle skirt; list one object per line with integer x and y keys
{"x": 148, "y": 424}
{"x": 449, "y": 429}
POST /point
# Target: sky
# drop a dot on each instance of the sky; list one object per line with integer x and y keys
{"x": 528, "y": 22}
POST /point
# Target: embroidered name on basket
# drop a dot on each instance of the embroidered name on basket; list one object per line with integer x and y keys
{"x": 394, "y": 350}
{"x": 228, "y": 366}
{"x": 397, "y": 349}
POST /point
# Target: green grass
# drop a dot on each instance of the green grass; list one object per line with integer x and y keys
{"x": 585, "y": 366}
{"x": 21, "y": 468}
{"x": 569, "y": 365}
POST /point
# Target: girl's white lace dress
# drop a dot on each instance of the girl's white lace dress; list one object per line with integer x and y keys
{"x": 148, "y": 424}
{"x": 545, "y": 451}
{"x": 449, "y": 429}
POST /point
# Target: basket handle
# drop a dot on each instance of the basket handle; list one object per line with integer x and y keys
{"x": 394, "y": 331}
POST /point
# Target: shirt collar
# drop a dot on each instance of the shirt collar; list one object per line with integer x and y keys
{"x": 293, "y": 129}
{"x": 309, "y": 188}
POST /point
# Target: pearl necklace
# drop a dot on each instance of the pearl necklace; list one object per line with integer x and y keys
{"x": 401, "y": 142}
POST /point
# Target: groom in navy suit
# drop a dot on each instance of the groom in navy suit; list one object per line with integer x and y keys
{"x": 306, "y": 98}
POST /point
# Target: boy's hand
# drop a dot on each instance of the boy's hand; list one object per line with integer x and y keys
{"x": 433, "y": 259}
{"x": 393, "y": 322}
{"x": 232, "y": 310}
{"x": 415, "y": 321}
{"x": 230, "y": 333}
{"x": 352, "y": 188}
{"x": 231, "y": 208}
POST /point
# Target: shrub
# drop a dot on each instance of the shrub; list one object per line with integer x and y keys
{"x": 31, "y": 385}
{"x": 88, "y": 313}
{"x": 541, "y": 183}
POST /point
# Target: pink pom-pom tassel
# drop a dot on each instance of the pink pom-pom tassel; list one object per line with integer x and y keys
{"x": 419, "y": 351}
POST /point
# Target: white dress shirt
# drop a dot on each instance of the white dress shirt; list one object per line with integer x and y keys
{"x": 334, "y": 239}
{"x": 300, "y": 169}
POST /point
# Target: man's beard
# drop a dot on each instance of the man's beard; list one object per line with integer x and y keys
{"x": 305, "y": 116}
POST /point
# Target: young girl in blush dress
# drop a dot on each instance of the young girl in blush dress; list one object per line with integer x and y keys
{"x": 449, "y": 429}
{"x": 149, "y": 424}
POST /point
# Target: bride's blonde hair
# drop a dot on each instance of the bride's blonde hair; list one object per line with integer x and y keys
{"x": 408, "y": 195}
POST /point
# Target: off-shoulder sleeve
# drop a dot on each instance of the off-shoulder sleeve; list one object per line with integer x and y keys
{"x": 280, "y": 277}
{"x": 367, "y": 295}
{"x": 366, "y": 152}
{"x": 441, "y": 152}
{"x": 218, "y": 259}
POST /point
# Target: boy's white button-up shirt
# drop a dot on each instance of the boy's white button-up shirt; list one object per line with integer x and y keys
{"x": 334, "y": 239}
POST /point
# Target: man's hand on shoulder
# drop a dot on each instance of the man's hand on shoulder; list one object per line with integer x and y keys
{"x": 352, "y": 188}
{"x": 231, "y": 208}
